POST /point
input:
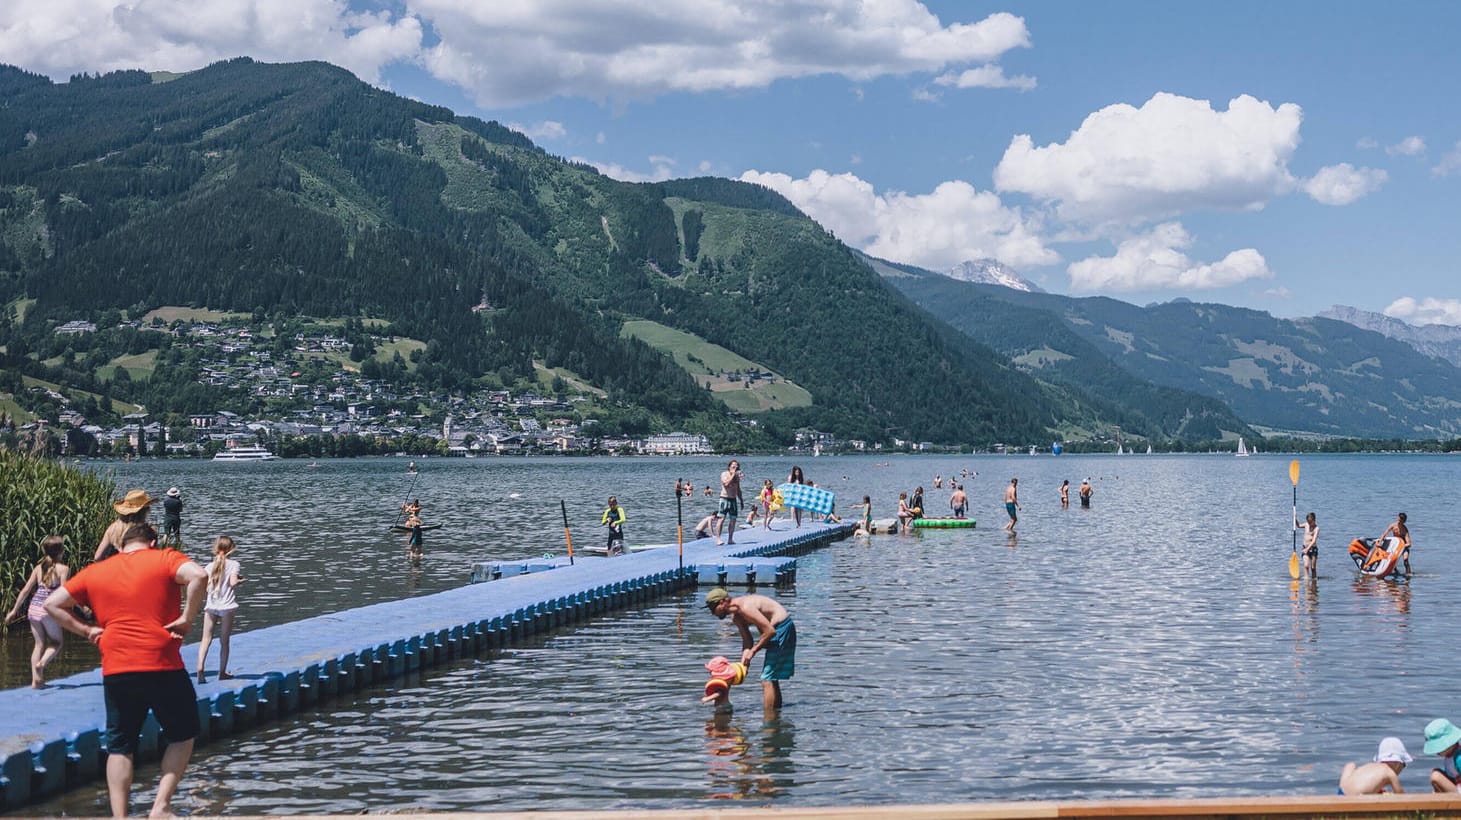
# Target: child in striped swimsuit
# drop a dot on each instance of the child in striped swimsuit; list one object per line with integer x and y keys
{"x": 48, "y": 575}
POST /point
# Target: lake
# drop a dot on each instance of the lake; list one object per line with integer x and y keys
{"x": 1152, "y": 645}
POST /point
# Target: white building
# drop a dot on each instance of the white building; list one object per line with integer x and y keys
{"x": 675, "y": 444}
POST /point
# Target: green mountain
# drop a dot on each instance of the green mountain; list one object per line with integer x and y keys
{"x": 1039, "y": 342}
{"x": 289, "y": 190}
{"x": 1310, "y": 375}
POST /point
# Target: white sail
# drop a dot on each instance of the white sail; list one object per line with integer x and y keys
{"x": 1242, "y": 449}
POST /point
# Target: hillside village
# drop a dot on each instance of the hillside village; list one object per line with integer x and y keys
{"x": 326, "y": 395}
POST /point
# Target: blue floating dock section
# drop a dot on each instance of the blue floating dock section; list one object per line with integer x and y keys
{"x": 51, "y": 739}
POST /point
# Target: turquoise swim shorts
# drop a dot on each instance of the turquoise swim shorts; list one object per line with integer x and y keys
{"x": 780, "y": 663}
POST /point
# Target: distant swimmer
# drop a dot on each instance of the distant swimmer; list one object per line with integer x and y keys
{"x": 411, "y": 468}
{"x": 1380, "y": 776}
{"x": 938, "y": 482}
{"x": 1085, "y": 492}
{"x": 1065, "y": 494}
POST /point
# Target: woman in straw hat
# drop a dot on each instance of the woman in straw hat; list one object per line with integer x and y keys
{"x": 132, "y": 509}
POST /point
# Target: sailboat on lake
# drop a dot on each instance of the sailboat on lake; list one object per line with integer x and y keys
{"x": 1242, "y": 449}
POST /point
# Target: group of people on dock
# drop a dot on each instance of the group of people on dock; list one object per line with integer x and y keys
{"x": 136, "y": 602}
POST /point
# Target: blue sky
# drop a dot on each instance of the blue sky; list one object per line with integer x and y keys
{"x": 1281, "y": 156}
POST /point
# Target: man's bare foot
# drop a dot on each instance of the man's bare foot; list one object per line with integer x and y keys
{"x": 717, "y": 542}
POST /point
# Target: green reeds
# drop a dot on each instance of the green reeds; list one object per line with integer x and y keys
{"x": 40, "y": 497}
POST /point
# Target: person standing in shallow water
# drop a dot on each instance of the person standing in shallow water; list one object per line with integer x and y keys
{"x": 1310, "y": 555}
{"x": 172, "y": 517}
{"x": 1085, "y": 493}
{"x": 1012, "y": 503}
{"x": 778, "y": 638}
{"x": 1065, "y": 494}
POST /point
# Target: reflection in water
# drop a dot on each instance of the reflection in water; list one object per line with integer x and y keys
{"x": 737, "y": 770}
{"x": 1391, "y": 593}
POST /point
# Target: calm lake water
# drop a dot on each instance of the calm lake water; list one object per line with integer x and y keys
{"x": 1152, "y": 645}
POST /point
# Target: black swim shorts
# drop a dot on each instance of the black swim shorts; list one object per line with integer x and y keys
{"x": 730, "y": 507}
{"x": 130, "y": 695}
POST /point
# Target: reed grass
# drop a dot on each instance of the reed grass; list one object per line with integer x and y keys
{"x": 41, "y": 497}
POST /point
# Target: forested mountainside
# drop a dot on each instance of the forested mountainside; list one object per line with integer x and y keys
{"x": 291, "y": 190}
{"x": 1040, "y": 342}
{"x": 1310, "y": 375}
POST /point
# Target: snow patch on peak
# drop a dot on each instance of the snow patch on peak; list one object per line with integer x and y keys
{"x": 991, "y": 272}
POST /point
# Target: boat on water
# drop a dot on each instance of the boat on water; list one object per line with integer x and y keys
{"x": 245, "y": 454}
{"x": 1242, "y": 449}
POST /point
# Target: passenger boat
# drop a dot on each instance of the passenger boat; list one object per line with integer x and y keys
{"x": 245, "y": 454}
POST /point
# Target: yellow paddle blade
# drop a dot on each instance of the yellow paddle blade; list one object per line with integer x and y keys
{"x": 1294, "y": 562}
{"x": 1294, "y": 472}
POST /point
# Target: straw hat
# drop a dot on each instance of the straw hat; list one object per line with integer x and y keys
{"x": 134, "y": 501}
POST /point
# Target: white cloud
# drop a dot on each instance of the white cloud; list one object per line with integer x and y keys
{"x": 923, "y": 94}
{"x": 986, "y": 76}
{"x": 508, "y": 53}
{"x": 1279, "y": 292}
{"x": 705, "y": 166}
{"x": 1450, "y": 163}
{"x": 1426, "y": 311}
{"x": 1408, "y": 147}
{"x": 1343, "y": 183}
{"x": 545, "y": 130}
{"x": 660, "y": 169}
{"x": 1171, "y": 155}
{"x": 939, "y": 229}
{"x": 600, "y": 138}
{"x": 1155, "y": 261}
{"x": 1367, "y": 143}
{"x": 70, "y": 36}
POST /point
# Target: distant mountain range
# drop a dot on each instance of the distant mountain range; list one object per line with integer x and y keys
{"x": 1318, "y": 375}
{"x": 1443, "y": 341}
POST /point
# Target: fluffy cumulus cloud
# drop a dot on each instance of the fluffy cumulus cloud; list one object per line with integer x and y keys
{"x": 69, "y": 36}
{"x": 986, "y": 76}
{"x": 1173, "y": 154}
{"x": 1343, "y": 183}
{"x": 1450, "y": 162}
{"x": 507, "y": 53}
{"x": 1156, "y": 261}
{"x": 939, "y": 229}
{"x": 1408, "y": 147}
{"x": 1426, "y": 311}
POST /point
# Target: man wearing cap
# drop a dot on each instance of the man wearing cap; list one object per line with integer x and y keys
{"x": 172, "y": 517}
{"x": 136, "y": 595}
{"x": 778, "y": 638}
{"x": 1444, "y": 739}
{"x": 1380, "y": 776}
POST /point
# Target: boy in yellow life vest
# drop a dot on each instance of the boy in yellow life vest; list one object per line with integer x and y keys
{"x": 614, "y": 520}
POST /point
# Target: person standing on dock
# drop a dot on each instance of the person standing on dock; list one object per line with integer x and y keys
{"x": 778, "y": 638}
{"x": 614, "y": 519}
{"x": 730, "y": 501}
{"x": 172, "y": 517}
{"x": 136, "y": 595}
{"x": 1012, "y": 503}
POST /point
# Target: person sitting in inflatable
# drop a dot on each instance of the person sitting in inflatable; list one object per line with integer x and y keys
{"x": 724, "y": 674}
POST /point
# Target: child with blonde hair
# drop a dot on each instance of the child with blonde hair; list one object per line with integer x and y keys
{"x": 218, "y": 612}
{"x": 46, "y": 576}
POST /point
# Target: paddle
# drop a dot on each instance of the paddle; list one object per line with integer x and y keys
{"x": 406, "y": 500}
{"x": 1294, "y": 558}
{"x": 680, "y": 524}
{"x": 563, "y": 505}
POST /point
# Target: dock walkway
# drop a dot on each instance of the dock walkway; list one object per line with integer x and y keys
{"x": 51, "y": 739}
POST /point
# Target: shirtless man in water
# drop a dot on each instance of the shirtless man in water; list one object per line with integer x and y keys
{"x": 1402, "y": 534}
{"x": 1012, "y": 503}
{"x": 959, "y": 502}
{"x": 778, "y": 638}
{"x": 730, "y": 501}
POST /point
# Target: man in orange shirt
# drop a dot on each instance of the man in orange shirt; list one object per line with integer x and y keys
{"x": 136, "y": 595}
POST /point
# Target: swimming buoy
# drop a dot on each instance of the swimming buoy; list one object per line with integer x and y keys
{"x": 943, "y": 523}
